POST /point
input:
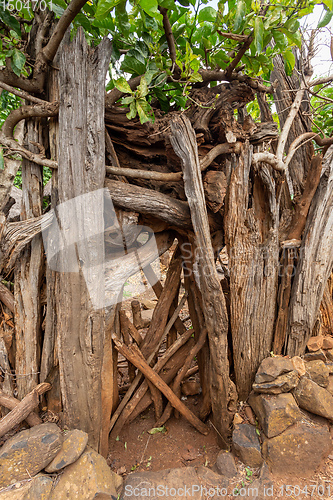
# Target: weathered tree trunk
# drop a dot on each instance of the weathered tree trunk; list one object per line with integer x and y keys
{"x": 315, "y": 263}
{"x": 81, "y": 170}
{"x": 252, "y": 242}
{"x": 184, "y": 143}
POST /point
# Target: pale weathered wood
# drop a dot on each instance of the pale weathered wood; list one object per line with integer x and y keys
{"x": 23, "y": 409}
{"x": 82, "y": 170}
{"x": 7, "y": 297}
{"x": 315, "y": 263}
{"x": 184, "y": 143}
{"x": 253, "y": 249}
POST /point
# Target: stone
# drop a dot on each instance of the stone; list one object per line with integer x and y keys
{"x": 329, "y": 354}
{"x": 28, "y": 452}
{"x": 312, "y": 356}
{"x": 298, "y": 365}
{"x": 187, "y": 483}
{"x": 299, "y": 450}
{"x": 314, "y": 398}
{"x": 275, "y": 413}
{"x": 283, "y": 383}
{"x": 329, "y": 388}
{"x": 327, "y": 342}
{"x": 225, "y": 465}
{"x": 329, "y": 365}
{"x": 271, "y": 368}
{"x": 315, "y": 343}
{"x": 73, "y": 446}
{"x": 246, "y": 445}
{"x": 85, "y": 478}
{"x": 38, "y": 488}
{"x": 318, "y": 372}
{"x": 237, "y": 419}
{"x": 190, "y": 388}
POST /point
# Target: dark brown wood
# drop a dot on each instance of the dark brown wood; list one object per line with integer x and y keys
{"x": 127, "y": 328}
{"x": 81, "y": 326}
{"x": 23, "y": 409}
{"x": 28, "y": 272}
{"x": 184, "y": 143}
{"x": 132, "y": 355}
{"x": 136, "y": 312}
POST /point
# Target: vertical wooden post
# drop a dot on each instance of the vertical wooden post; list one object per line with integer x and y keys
{"x": 82, "y": 170}
{"x": 184, "y": 143}
{"x": 28, "y": 273}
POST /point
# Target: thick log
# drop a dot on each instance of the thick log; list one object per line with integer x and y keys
{"x": 11, "y": 403}
{"x": 81, "y": 326}
{"x": 184, "y": 143}
{"x": 23, "y": 409}
{"x": 131, "y": 354}
{"x": 315, "y": 264}
{"x": 253, "y": 249}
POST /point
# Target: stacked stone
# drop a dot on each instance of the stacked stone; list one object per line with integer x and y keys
{"x": 293, "y": 402}
{"x": 71, "y": 469}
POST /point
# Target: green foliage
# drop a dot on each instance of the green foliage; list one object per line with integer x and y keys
{"x": 323, "y": 110}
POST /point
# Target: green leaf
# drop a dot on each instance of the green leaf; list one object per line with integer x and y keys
{"x": 279, "y": 39}
{"x": 132, "y": 112}
{"x": 2, "y": 161}
{"x": 258, "y": 34}
{"x": 289, "y": 62}
{"x": 127, "y": 100}
{"x": 143, "y": 87}
{"x": 18, "y": 61}
{"x": 294, "y": 38}
{"x": 145, "y": 112}
{"x": 156, "y": 430}
{"x": 122, "y": 18}
{"x": 150, "y": 7}
{"x": 104, "y": 7}
{"x": 325, "y": 20}
{"x": 123, "y": 86}
{"x": 133, "y": 65}
{"x": 329, "y": 4}
{"x": 207, "y": 14}
{"x": 10, "y": 21}
{"x": 195, "y": 77}
{"x": 239, "y": 15}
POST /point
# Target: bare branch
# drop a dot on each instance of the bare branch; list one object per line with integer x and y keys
{"x": 320, "y": 81}
{"x": 240, "y": 53}
{"x": 322, "y": 142}
{"x": 168, "y": 34}
{"x": 287, "y": 125}
{"x": 269, "y": 158}
{"x": 20, "y": 93}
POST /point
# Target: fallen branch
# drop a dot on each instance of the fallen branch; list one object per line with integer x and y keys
{"x": 7, "y": 297}
{"x": 23, "y": 409}
{"x": 131, "y": 354}
{"x": 11, "y": 403}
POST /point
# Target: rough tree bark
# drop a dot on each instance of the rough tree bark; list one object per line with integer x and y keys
{"x": 81, "y": 170}
{"x": 251, "y": 233}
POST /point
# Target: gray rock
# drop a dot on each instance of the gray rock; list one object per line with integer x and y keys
{"x": 186, "y": 483}
{"x": 275, "y": 413}
{"x": 72, "y": 448}
{"x": 314, "y": 398}
{"x": 329, "y": 366}
{"x": 271, "y": 368}
{"x": 283, "y": 383}
{"x": 329, "y": 354}
{"x": 313, "y": 356}
{"x": 318, "y": 372}
{"x": 299, "y": 450}
{"x": 225, "y": 465}
{"x": 246, "y": 445}
{"x": 27, "y": 453}
{"x": 329, "y": 388}
{"x": 37, "y": 489}
{"x": 85, "y": 478}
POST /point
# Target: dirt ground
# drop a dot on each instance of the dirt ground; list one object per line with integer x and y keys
{"x": 182, "y": 446}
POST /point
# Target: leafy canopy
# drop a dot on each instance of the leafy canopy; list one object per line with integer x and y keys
{"x": 201, "y": 36}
